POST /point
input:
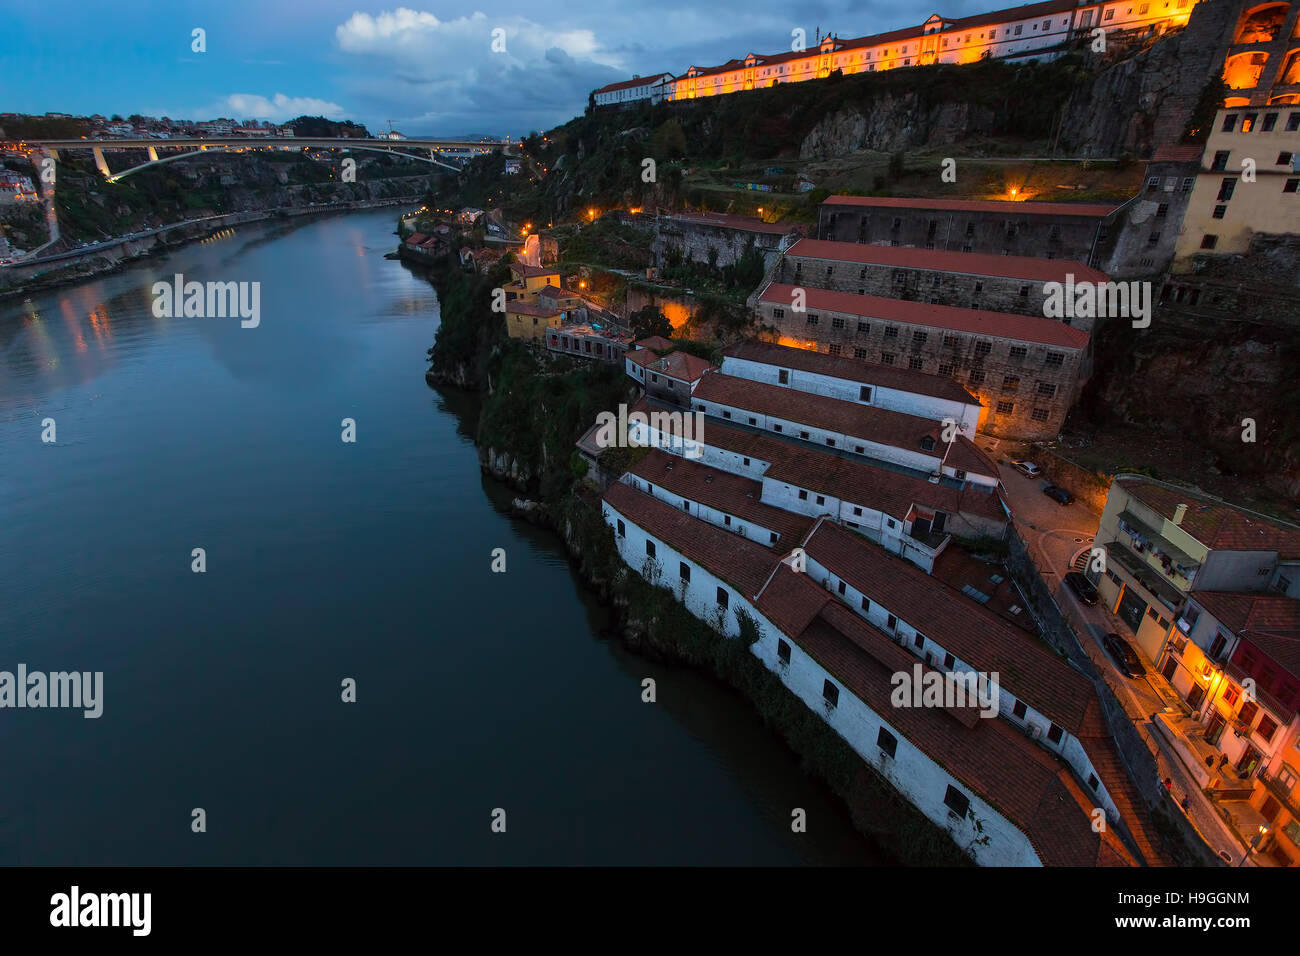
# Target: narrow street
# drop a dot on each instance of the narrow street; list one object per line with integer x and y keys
{"x": 1060, "y": 538}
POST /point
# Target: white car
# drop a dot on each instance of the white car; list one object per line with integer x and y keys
{"x": 1026, "y": 468}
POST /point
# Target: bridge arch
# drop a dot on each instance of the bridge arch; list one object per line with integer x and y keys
{"x": 392, "y": 151}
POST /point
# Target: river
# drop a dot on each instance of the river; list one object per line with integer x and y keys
{"x": 326, "y": 561}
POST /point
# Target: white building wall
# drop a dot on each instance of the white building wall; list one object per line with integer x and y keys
{"x": 728, "y": 522}
{"x": 918, "y": 778}
{"x": 1034, "y": 723}
{"x": 911, "y": 403}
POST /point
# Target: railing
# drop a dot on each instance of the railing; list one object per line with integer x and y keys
{"x": 1280, "y": 792}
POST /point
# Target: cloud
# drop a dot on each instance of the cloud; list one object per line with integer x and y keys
{"x": 278, "y": 108}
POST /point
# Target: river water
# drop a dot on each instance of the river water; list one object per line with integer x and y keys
{"x": 325, "y": 561}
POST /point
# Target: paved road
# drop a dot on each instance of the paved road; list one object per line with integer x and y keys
{"x": 1056, "y": 535}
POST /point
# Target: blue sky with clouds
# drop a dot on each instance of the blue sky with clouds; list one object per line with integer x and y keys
{"x": 429, "y": 69}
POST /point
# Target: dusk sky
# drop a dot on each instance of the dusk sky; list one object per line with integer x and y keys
{"x": 428, "y": 69}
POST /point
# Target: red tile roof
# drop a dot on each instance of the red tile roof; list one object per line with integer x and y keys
{"x": 656, "y": 343}
{"x": 1022, "y": 781}
{"x": 682, "y": 366}
{"x": 850, "y": 369}
{"x": 635, "y": 81}
{"x": 881, "y": 425}
{"x": 1032, "y": 789}
{"x": 1003, "y": 325}
{"x": 530, "y": 308}
{"x": 939, "y": 260}
{"x": 1001, "y": 207}
{"x": 1026, "y": 668}
{"x": 731, "y": 494}
{"x": 740, "y": 562}
{"x": 1177, "y": 154}
{"x": 881, "y": 489}
{"x": 1217, "y": 524}
{"x": 724, "y": 220}
{"x": 532, "y": 272}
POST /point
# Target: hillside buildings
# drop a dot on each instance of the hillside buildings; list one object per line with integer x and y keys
{"x": 1212, "y": 593}
{"x": 719, "y": 239}
{"x": 821, "y": 555}
{"x": 1034, "y": 31}
{"x": 1247, "y": 184}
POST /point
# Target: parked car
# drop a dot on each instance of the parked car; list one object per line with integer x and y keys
{"x": 1125, "y": 657}
{"x": 1058, "y": 494}
{"x": 1082, "y": 587}
{"x": 1026, "y": 468}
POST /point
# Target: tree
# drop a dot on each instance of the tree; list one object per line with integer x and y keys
{"x": 669, "y": 140}
{"x": 650, "y": 321}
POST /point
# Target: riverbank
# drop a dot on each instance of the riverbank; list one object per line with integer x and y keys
{"x": 123, "y": 252}
{"x": 531, "y": 415}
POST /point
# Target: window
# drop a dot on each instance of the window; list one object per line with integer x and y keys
{"x": 864, "y": 393}
{"x": 1270, "y": 120}
{"x": 1019, "y": 710}
{"x": 1229, "y": 123}
{"x": 726, "y": 414}
{"x": 1226, "y": 188}
{"x": 887, "y": 358}
{"x": 622, "y": 529}
{"x": 837, "y": 322}
{"x": 948, "y": 661}
{"x": 783, "y": 377}
{"x": 927, "y": 443}
{"x": 916, "y": 363}
{"x": 803, "y": 435}
{"x": 956, "y": 801}
{"x": 684, "y": 570}
{"x": 1019, "y": 28}
{"x": 726, "y": 520}
{"x": 1046, "y": 389}
{"x": 1110, "y": 15}
{"x": 1209, "y": 241}
{"x": 857, "y": 512}
{"x": 864, "y": 328}
{"x": 803, "y": 495}
{"x": 951, "y": 341}
{"x": 812, "y": 318}
{"x": 1005, "y": 408}
{"x": 821, "y": 499}
{"x": 892, "y": 622}
{"x": 650, "y": 549}
{"x": 1153, "y": 238}
{"x": 1188, "y": 183}
{"x": 919, "y": 640}
{"x": 891, "y": 331}
{"x": 1039, "y": 414}
{"x": 1220, "y": 211}
{"x": 1220, "y": 160}
{"x": 840, "y": 588}
{"x": 830, "y": 693}
{"x": 859, "y": 353}
{"x": 976, "y": 376}
{"x": 866, "y": 604}
{"x": 1283, "y": 159}
{"x": 918, "y": 338}
{"x": 983, "y": 348}
{"x": 778, "y": 313}
{"x": 1010, "y": 383}
{"x": 1162, "y": 210}
{"x": 1018, "y": 353}
{"x": 970, "y": 229}
{"x": 1248, "y": 122}
{"x": 1054, "y": 734}
{"x": 834, "y": 348}
{"x": 1024, "y": 291}
{"x": 946, "y": 368}
{"x": 887, "y": 742}
{"x": 783, "y": 651}
{"x": 1292, "y": 122}
{"x": 723, "y": 597}
{"x": 1267, "y": 727}
{"x": 1291, "y": 185}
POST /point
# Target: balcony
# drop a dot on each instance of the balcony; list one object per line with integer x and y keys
{"x": 1158, "y": 589}
{"x": 1280, "y": 792}
{"x": 1172, "y": 564}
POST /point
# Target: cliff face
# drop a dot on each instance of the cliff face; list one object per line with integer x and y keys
{"x": 1201, "y": 384}
{"x": 1128, "y": 100}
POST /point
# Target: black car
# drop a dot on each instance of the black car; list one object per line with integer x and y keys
{"x": 1124, "y": 655}
{"x": 1082, "y": 587}
{"x": 1058, "y": 494}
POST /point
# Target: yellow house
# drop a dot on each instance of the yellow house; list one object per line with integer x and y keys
{"x": 529, "y": 279}
{"x": 1249, "y": 183}
{"x": 530, "y": 320}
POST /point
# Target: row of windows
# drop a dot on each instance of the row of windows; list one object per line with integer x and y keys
{"x": 1250, "y": 122}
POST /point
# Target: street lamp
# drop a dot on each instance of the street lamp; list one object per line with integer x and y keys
{"x": 1259, "y": 837}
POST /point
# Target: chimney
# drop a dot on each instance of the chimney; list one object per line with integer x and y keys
{"x": 1179, "y": 514}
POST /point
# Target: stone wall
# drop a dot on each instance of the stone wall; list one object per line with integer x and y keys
{"x": 1019, "y": 231}
{"x": 963, "y": 290}
{"x": 1010, "y": 412}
